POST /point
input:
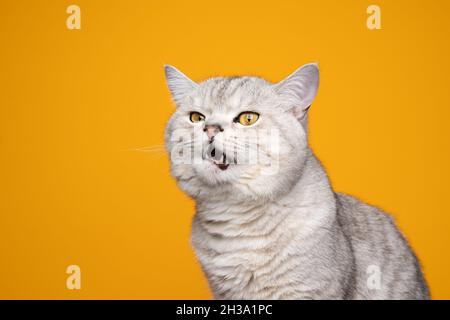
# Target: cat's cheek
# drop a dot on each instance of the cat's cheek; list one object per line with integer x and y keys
{"x": 187, "y": 179}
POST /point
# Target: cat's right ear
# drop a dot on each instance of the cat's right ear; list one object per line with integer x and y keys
{"x": 179, "y": 84}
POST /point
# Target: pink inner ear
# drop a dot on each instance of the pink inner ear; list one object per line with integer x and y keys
{"x": 300, "y": 88}
{"x": 300, "y": 113}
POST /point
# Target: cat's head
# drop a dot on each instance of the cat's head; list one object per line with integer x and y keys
{"x": 239, "y": 135}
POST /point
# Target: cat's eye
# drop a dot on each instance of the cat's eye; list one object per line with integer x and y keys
{"x": 247, "y": 118}
{"x": 196, "y": 117}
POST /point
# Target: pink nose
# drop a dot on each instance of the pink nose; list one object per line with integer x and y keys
{"x": 212, "y": 130}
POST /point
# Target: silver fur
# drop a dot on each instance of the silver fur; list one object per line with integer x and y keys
{"x": 286, "y": 235}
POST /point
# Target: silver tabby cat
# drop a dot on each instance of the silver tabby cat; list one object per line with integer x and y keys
{"x": 274, "y": 228}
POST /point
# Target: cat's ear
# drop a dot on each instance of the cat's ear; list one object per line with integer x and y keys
{"x": 300, "y": 88}
{"x": 179, "y": 84}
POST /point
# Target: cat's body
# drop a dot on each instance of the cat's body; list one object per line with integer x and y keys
{"x": 309, "y": 244}
{"x": 284, "y": 235}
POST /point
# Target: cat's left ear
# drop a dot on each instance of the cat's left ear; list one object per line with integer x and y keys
{"x": 300, "y": 88}
{"x": 179, "y": 84}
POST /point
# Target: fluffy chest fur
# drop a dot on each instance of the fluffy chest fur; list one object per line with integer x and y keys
{"x": 274, "y": 250}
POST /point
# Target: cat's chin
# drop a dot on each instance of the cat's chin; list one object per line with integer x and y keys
{"x": 215, "y": 167}
{"x": 213, "y": 172}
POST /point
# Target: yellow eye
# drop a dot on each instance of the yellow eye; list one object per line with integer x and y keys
{"x": 196, "y": 117}
{"x": 248, "y": 118}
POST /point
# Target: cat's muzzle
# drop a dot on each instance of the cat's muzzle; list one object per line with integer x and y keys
{"x": 219, "y": 158}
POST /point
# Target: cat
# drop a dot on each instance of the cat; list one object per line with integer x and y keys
{"x": 280, "y": 234}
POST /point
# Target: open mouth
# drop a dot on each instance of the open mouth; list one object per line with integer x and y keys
{"x": 219, "y": 159}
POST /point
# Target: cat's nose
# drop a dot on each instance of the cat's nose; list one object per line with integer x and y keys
{"x": 211, "y": 130}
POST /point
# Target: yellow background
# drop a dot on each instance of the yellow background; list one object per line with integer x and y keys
{"x": 76, "y": 104}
